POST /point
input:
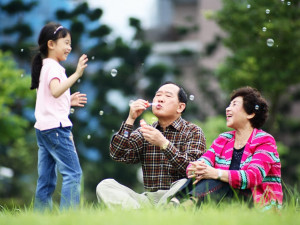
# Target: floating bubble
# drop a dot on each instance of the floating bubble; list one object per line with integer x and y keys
{"x": 288, "y": 3}
{"x": 72, "y": 110}
{"x": 270, "y": 42}
{"x": 282, "y": 1}
{"x": 78, "y": 81}
{"x": 22, "y": 50}
{"x": 130, "y": 102}
{"x": 192, "y": 97}
{"x": 88, "y": 137}
{"x": 264, "y": 29}
{"x": 267, "y": 11}
{"x": 93, "y": 57}
{"x": 248, "y": 6}
{"x": 22, "y": 75}
{"x": 114, "y": 72}
{"x": 101, "y": 113}
{"x": 113, "y": 130}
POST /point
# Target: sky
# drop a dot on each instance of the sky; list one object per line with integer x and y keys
{"x": 117, "y": 12}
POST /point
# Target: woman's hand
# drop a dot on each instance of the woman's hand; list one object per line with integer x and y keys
{"x": 199, "y": 170}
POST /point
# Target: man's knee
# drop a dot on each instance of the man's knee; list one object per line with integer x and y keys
{"x": 104, "y": 186}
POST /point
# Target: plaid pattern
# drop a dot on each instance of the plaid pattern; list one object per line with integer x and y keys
{"x": 160, "y": 167}
{"x": 260, "y": 165}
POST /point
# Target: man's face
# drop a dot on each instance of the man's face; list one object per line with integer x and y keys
{"x": 168, "y": 102}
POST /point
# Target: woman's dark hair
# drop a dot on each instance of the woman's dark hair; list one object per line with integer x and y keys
{"x": 182, "y": 96}
{"x": 253, "y": 102}
{"x": 51, "y": 31}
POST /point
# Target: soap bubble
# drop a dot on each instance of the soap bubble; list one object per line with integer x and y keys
{"x": 93, "y": 57}
{"x": 101, "y": 113}
{"x": 264, "y": 29}
{"x": 78, "y": 81}
{"x": 22, "y": 50}
{"x": 248, "y": 6}
{"x": 22, "y": 75}
{"x": 88, "y": 137}
{"x": 288, "y": 3}
{"x": 114, "y": 72}
{"x": 270, "y": 42}
{"x": 130, "y": 102}
{"x": 267, "y": 11}
{"x": 72, "y": 110}
{"x": 192, "y": 97}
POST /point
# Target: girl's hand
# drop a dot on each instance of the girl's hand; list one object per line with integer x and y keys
{"x": 81, "y": 65}
{"x": 78, "y": 99}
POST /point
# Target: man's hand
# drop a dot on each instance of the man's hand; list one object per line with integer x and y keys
{"x": 78, "y": 99}
{"x": 136, "y": 109}
{"x": 153, "y": 136}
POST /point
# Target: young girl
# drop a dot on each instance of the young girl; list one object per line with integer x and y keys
{"x": 53, "y": 127}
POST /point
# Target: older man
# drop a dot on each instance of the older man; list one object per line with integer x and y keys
{"x": 164, "y": 149}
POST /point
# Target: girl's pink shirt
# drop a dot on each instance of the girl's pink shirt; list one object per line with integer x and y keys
{"x": 51, "y": 112}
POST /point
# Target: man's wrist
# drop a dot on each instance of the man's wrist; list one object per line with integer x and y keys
{"x": 165, "y": 145}
{"x": 129, "y": 121}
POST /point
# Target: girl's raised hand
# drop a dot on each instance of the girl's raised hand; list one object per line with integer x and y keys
{"x": 78, "y": 99}
{"x": 82, "y": 64}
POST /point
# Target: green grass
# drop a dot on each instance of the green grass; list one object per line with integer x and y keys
{"x": 207, "y": 214}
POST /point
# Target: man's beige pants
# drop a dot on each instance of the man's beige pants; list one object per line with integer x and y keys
{"x": 113, "y": 194}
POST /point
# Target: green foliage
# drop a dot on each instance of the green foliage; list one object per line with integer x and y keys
{"x": 270, "y": 69}
{"x": 14, "y": 89}
{"x": 212, "y": 128}
{"x": 101, "y": 31}
{"x": 18, "y": 6}
{"x": 16, "y": 139}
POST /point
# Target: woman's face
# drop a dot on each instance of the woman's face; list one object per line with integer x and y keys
{"x": 236, "y": 116}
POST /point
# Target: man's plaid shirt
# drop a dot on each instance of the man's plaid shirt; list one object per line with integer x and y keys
{"x": 160, "y": 167}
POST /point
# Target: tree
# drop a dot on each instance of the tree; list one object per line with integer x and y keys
{"x": 92, "y": 129}
{"x": 133, "y": 78}
{"x": 15, "y": 148}
{"x": 263, "y": 37}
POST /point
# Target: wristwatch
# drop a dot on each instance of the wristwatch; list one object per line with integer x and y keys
{"x": 165, "y": 145}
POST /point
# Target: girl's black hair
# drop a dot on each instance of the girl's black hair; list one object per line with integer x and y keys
{"x": 51, "y": 31}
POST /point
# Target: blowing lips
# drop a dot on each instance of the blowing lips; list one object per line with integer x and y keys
{"x": 158, "y": 106}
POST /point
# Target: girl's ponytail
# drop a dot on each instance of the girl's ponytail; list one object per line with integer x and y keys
{"x": 51, "y": 31}
{"x": 36, "y": 67}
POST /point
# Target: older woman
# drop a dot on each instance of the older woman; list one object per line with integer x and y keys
{"x": 244, "y": 161}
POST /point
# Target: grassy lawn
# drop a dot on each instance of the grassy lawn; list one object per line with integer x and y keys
{"x": 230, "y": 214}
